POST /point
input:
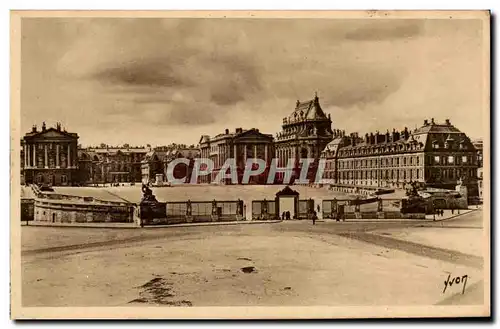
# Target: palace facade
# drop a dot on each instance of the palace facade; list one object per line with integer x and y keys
{"x": 305, "y": 133}
{"x": 434, "y": 155}
{"x": 101, "y": 165}
{"x": 155, "y": 164}
{"x": 240, "y": 145}
{"x": 49, "y": 156}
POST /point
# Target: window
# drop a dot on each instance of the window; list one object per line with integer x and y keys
{"x": 464, "y": 159}
{"x": 64, "y": 179}
{"x": 451, "y": 159}
{"x": 436, "y": 159}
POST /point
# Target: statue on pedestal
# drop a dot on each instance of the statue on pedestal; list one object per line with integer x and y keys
{"x": 147, "y": 195}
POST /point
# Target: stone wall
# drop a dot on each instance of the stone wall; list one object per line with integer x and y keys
{"x": 59, "y": 208}
{"x": 66, "y": 212}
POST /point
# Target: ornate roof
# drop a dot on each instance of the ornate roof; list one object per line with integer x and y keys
{"x": 309, "y": 110}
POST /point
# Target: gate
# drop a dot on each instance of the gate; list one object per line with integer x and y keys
{"x": 335, "y": 209}
{"x": 175, "y": 212}
{"x": 306, "y": 207}
{"x": 264, "y": 209}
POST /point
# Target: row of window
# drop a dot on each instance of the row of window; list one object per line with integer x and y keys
{"x": 395, "y": 174}
{"x": 403, "y": 174}
{"x": 413, "y": 160}
{"x": 39, "y": 179}
{"x": 382, "y": 149}
{"x": 451, "y": 159}
{"x": 448, "y": 145}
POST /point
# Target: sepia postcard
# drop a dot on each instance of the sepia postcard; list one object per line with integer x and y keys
{"x": 250, "y": 165}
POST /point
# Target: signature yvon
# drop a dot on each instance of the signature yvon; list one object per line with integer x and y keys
{"x": 456, "y": 280}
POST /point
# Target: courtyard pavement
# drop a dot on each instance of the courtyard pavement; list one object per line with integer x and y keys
{"x": 292, "y": 263}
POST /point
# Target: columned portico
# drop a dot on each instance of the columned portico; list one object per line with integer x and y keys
{"x": 57, "y": 156}
{"x": 69, "y": 156}
{"x": 46, "y": 158}
{"x": 54, "y": 164}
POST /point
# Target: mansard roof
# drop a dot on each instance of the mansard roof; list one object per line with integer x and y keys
{"x": 427, "y": 137}
{"x": 436, "y": 128}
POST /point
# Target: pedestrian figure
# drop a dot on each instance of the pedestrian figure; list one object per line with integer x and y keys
{"x": 452, "y": 211}
{"x": 288, "y": 215}
{"x": 314, "y": 217}
{"x": 284, "y": 215}
{"x": 442, "y": 212}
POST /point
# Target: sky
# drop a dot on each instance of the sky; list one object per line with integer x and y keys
{"x": 170, "y": 80}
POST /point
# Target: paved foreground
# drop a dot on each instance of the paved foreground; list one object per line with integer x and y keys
{"x": 289, "y": 263}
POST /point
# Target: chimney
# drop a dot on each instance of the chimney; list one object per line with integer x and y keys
{"x": 58, "y": 126}
{"x": 448, "y": 122}
{"x": 367, "y": 138}
{"x": 377, "y": 134}
{"x": 343, "y": 133}
{"x": 387, "y": 136}
{"x": 407, "y": 133}
{"x": 227, "y": 131}
{"x": 44, "y": 127}
{"x": 297, "y": 104}
{"x": 239, "y": 130}
{"x": 372, "y": 138}
{"x": 426, "y": 122}
{"x": 432, "y": 121}
{"x": 33, "y": 129}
